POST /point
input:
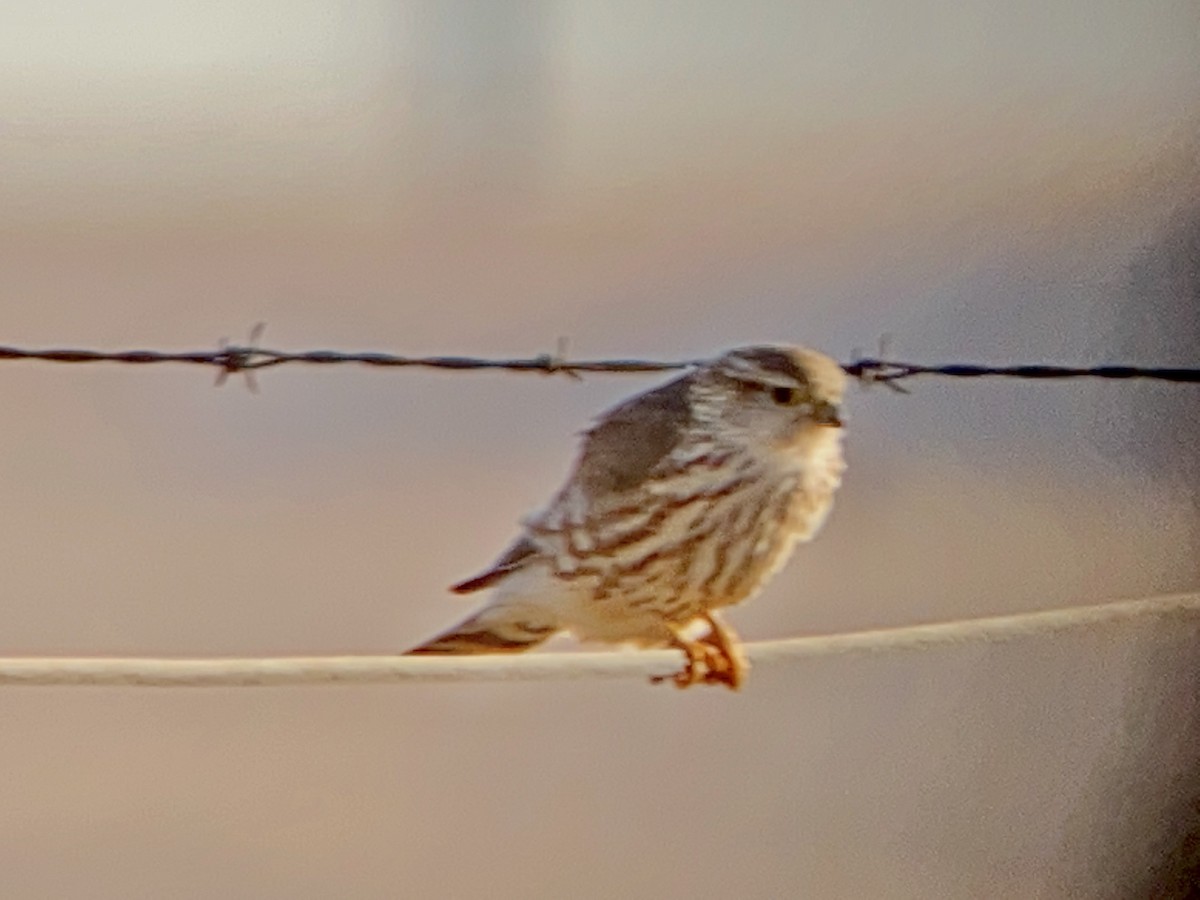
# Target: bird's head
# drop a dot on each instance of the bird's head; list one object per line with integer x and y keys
{"x": 776, "y": 394}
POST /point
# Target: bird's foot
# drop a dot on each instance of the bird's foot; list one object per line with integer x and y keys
{"x": 726, "y": 663}
{"x": 723, "y": 668}
{"x": 713, "y": 659}
{"x": 695, "y": 668}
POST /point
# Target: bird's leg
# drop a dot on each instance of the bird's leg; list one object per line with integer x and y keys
{"x": 695, "y": 670}
{"x": 723, "y": 658}
{"x": 713, "y": 659}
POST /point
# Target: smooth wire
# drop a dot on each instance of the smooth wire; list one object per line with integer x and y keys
{"x": 130, "y": 672}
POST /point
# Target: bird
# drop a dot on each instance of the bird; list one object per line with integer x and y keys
{"x": 683, "y": 500}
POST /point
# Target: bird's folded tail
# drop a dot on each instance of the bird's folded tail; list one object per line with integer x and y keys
{"x": 491, "y": 630}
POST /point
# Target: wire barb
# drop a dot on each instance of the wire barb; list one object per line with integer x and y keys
{"x": 240, "y": 359}
{"x": 247, "y": 359}
{"x": 888, "y": 371}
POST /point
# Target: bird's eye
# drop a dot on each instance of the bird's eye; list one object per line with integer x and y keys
{"x": 785, "y": 396}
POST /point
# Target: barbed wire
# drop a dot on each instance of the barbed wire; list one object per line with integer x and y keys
{"x": 888, "y": 371}
{"x": 247, "y": 359}
{"x": 230, "y": 359}
{"x": 277, "y": 671}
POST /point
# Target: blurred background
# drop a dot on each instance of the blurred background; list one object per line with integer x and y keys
{"x": 983, "y": 182}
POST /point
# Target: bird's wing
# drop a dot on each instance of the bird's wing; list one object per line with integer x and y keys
{"x": 514, "y": 558}
{"x": 629, "y": 441}
{"x": 618, "y": 454}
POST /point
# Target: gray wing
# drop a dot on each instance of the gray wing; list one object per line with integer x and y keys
{"x": 629, "y": 441}
{"x": 618, "y": 454}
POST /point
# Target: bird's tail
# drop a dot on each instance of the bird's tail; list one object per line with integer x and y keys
{"x": 494, "y": 629}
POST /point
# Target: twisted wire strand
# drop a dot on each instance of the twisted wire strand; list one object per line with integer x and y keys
{"x": 1182, "y": 610}
{"x": 888, "y": 371}
{"x": 241, "y": 359}
{"x": 231, "y": 359}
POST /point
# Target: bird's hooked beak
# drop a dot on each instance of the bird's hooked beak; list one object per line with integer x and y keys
{"x": 827, "y": 414}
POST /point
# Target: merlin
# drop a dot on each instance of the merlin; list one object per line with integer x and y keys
{"x": 683, "y": 500}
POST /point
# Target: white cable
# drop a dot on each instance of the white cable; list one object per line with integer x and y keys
{"x": 562, "y": 666}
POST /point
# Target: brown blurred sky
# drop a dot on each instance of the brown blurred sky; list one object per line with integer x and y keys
{"x": 984, "y": 182}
